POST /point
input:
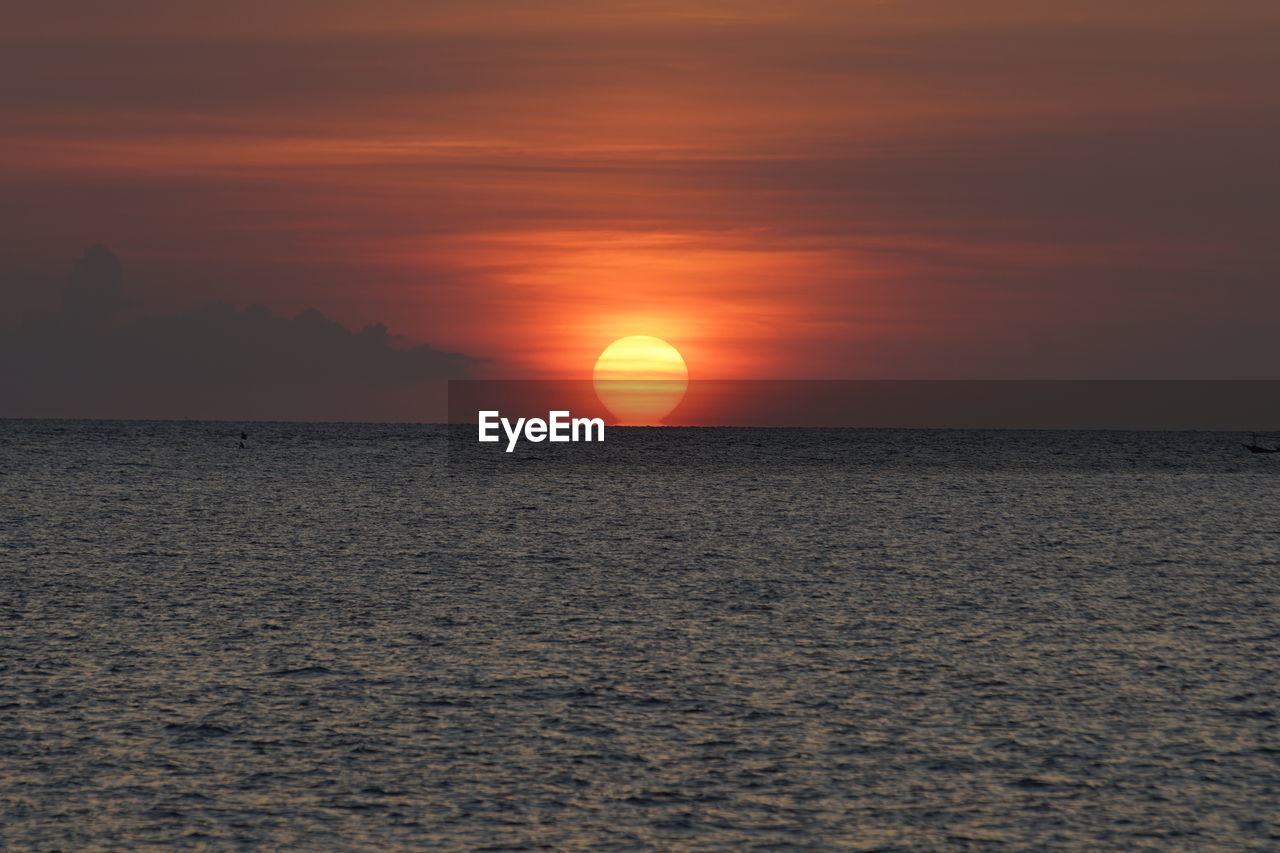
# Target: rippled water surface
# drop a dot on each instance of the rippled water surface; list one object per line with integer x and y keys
{"x": 689, "y": 640}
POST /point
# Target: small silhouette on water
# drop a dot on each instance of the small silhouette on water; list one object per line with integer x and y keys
{"x": 244, "y": 436}
{"x": 1254, "y": 447}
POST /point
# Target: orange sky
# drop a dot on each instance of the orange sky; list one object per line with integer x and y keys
{"x": 878, "y": 189}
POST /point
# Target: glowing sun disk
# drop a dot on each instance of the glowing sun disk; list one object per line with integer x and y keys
{"x": 640, "y": 379}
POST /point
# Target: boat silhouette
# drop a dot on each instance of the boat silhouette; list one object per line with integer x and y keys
{"x": 1254, "y": 447}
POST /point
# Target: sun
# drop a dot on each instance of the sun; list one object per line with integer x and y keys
{"x": 640, "y": 357}
{"x": 640, "y": 379}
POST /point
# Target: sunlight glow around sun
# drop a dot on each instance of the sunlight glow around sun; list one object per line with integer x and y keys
{"x": 640, "y": 379}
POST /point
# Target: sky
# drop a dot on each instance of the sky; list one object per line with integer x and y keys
{"x": 207, "y": 203}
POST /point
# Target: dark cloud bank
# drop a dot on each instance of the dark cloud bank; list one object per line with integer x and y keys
{"x": 85, "y": 359}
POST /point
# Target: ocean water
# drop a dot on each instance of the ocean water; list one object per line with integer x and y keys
{"x": 345, "y": 637}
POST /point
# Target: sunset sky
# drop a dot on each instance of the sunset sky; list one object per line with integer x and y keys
{"x": 879, "y": 189}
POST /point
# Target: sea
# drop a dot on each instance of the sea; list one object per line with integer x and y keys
{"x": 361, "y": 637}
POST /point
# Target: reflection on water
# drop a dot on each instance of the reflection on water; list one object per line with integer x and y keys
{"x": 701, "y": 640}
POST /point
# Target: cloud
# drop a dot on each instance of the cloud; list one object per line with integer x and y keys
{"x": 818, "y": 187}
{"x": 87, "y": 358}
{"x": 95, "y": 288}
